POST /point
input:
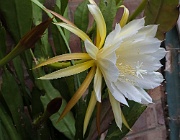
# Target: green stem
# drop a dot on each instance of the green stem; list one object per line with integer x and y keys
{"x": 16, "y": 51}
{"x": 32, "y": 54}
{"x": 139, "y": 9}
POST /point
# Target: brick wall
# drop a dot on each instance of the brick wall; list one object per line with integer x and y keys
{"x": 151, "y": 124}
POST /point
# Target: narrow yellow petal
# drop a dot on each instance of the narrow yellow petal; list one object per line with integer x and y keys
{"x": 75, "y": 30}
{"x": 79, "y": 92}
{"x": 116, "y": 110}
{"x": 59, "y": 16}
{"x": 89, "y": 111}
{"x": 98, "y": 84}
{"x": 98, "y": 38}
{"x": 125, "y": 16}
{"x": 92, "y": 2}
{"x": 101, "y": 25}
{"x": 124, "y": 121}
{"x": 64, "y": 57}
{"x": 69, "y": 70}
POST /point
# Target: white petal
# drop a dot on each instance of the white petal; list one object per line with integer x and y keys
{"x": 112, "y": 57}
{"x": 116, "y": 110}
{"x": 160, "y": 53}
{"x": 149, "y": 63}
{"x": 131, "y": 28}
{"x": 98, "y": 84}
{"x": 91, "y": 49}
{"x": 112, "y": 36}
{"x": 109, "y": 69}
{"x": 116, "y": 93}
{"x": 146, "y": 99}
{"x": 149, "y": 30}
{"x": 110, "y": 49}
{"x": 144, "y": 46}
{"x": 133, "y": 93}
{"x": 150, "y": 80}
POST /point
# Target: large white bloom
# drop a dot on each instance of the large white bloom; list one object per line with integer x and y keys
{"x": 137, "y": 61}
{"x": 127, "y": 59}
{"x": 132, "y": 67}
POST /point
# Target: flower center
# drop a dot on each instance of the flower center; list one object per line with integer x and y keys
{"x": 140, "y": 71}
{"x": 127, "y": 71}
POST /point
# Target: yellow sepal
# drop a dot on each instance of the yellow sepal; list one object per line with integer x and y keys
{"x": 89, "y": 111}
{"x": 79, "y": 92}
{"x": 125, "y": 16}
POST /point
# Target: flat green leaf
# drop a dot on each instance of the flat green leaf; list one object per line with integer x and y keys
{"x": 2, "y": 41}
{"x": 131, "y": 114}
{"x": 67, "y": 124}
{"x": 64, "y": 4}
{"x": 37, "y": 13}
{"x": 19, "y": 69}
{"x": 59, "y": 43}
{"x": 119, "y": 3}
{"x": 7, "y": 129}
{"x": 81, "y": 18}
{"x": 10, "y": 92}
{"x": 18, "y": 16}
{"x": 80, "y": 114}
{"x": 163, "y": 13}
{"x": 108, "y": 9}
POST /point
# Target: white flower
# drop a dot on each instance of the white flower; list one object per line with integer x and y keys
{"x": 137, "y": 60}
{"x": 127, "y": 59}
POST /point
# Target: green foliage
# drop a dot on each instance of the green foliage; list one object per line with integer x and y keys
{"x": 2, "y": 41}
{"x": 7, "y": 129}
{"x": 131, "y": 114}
{"x": 108, "y": 9}
{"x": 16, "y": 109}
{"x": 67, "y": 124}
{"x": 81, "y": 18}
{"x": 59, "y": 42}
{"x": 119, "y": 3}
{"x": 18, "y": 17}
{"x": 162, "y": 12}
